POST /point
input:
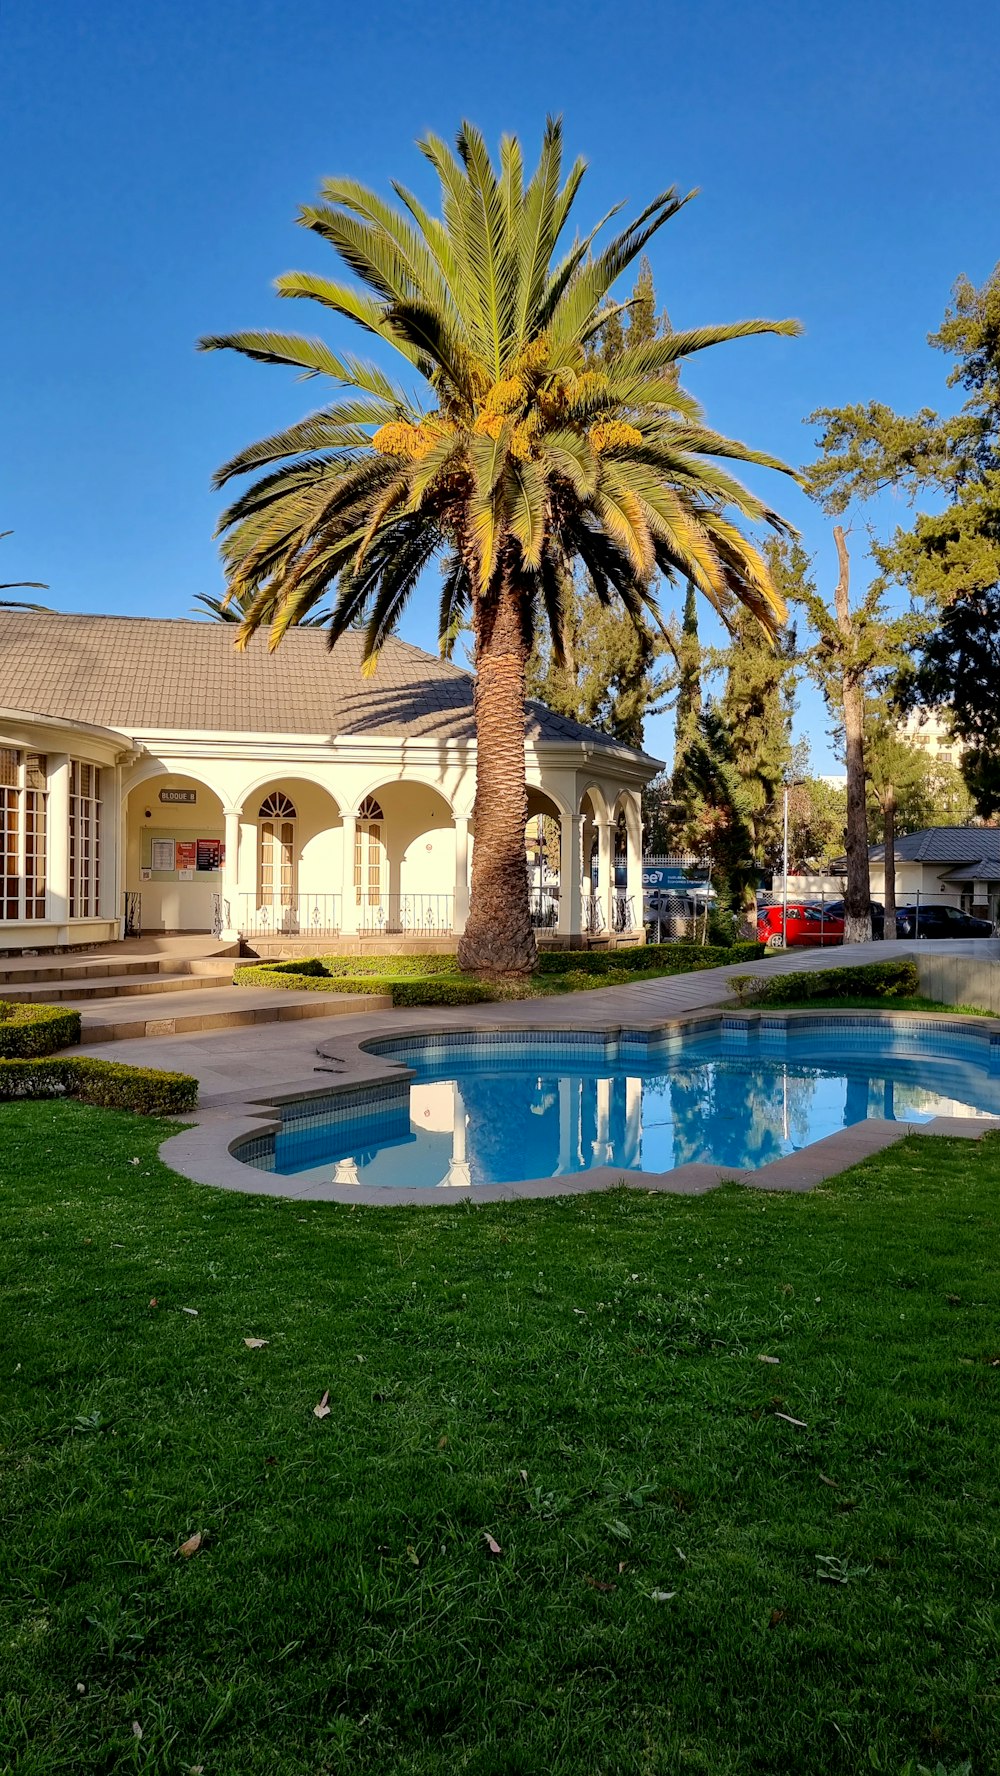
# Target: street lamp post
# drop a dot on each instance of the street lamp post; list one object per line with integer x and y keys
{"x": 784, "y": 871}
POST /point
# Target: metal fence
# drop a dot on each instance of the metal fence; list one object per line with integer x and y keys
{"x": 818, "y": 918}
{"x": 302, "y": 915}
{"x": 399, "y": 915}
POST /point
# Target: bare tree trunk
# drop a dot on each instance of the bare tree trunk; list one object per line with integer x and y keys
{"x": 889, "y": 932}
{"x": 498, "y": 937}
{"x": 857, "y": 895}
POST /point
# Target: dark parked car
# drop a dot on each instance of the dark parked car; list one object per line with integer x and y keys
{"x": 834, "y": 909}
{"x": 939, "y": 921}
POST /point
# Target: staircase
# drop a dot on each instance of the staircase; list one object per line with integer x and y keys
{"x": 161, "y": 987}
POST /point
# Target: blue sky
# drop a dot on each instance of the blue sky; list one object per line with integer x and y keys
{"x": 154, "y": 157}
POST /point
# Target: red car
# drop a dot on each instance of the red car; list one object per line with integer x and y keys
{"x": 807, "y": 925}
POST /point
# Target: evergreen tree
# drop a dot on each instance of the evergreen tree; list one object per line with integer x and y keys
{"x": 948, "y": 559}
{"x": 757, "y": 707}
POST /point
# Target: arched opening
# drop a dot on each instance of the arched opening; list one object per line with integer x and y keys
{"x": 289, "y": 873}
{"x": 404, "y": 861}
{"x": 543, "y": 855}
{"x": 175, "y": 836}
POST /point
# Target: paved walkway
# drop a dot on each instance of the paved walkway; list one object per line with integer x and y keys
{"x": 236, "y": 1066}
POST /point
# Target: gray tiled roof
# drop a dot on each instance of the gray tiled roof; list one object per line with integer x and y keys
{"x": 146, "y": 674}
{"x": 945, "y": 844}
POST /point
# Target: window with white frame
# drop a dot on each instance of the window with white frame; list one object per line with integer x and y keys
{"x": 84, "y": 840}
{"x": 22, "y": 834}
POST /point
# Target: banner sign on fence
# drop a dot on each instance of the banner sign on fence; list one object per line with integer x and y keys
{"x": 674, "y": 879}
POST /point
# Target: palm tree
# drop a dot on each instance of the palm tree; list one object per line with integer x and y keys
{"x": 233, "y": 607}
{"x": 519, "y": 462}
{"x": 23, "y": 604}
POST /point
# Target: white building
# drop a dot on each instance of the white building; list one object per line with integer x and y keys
{"x": 150, "y": 773}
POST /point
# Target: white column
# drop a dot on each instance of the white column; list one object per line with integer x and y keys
{"x": 633, "y": 1122}
{"x": 57, "y": 842}
{"x": 633, "y": 862}
{"x": 461, "y": 912}
{"x": 232, "y": 909}
{"x": 109, "y": 904}
{"x": 570, "y": 871}
{"x": 605, "y": 870}
{"x": 348, "y": 899}
{"x": 602, "y": 1144}
{"x": 458, "y": 1172}
{"x": 566, "y": 1107}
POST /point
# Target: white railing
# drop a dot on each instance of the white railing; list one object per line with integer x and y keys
{"x": 406, "y": 915}
{"x": 303, "y": 915}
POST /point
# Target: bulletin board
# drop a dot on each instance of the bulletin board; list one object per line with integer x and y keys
{"x": 194, "y": 854}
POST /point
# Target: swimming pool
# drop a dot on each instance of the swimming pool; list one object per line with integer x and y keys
{"x": 495, "y": 1107}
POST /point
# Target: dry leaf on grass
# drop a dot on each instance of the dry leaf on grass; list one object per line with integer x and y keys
{"x": 191, "y": 1546}
{"x": 193, "y": 1311}
{"x": 136, "y": 1729}
{"x": 153, "y": 1301}
{"x": 828, "y": 1482}
{"x": 769, "y": 1359}
{"x": 598, "y": 1584}
{"x": 799, "y": 1423}
{"x": 662, "y": 1596}
{"x": 777, "y": 1616}
{"x": 412, "y": 1555}
{"x": 442, "y": 1442}
{"x": 255, "y": 1344}
{"x": 492, "y": 1545}
{"x": 322, "y": 1410}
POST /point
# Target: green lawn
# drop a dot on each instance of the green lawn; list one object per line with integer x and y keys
{"x": 687, "y": 1581}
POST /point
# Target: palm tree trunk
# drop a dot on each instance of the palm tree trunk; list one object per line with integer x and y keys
{"x": 498, "y": 937}
{"x": 889, "y": 892}
{"x": 857, "y": 893}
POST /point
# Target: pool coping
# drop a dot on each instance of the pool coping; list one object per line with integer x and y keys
{"x": 204, "y": 1151}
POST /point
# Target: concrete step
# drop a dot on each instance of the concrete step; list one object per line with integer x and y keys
{"x": 114, "y": 1020}
{"x": 126, "y": 987}
{"x": 139, "y": 957}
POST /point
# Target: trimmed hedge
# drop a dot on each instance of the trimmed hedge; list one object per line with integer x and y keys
{"x": 276, "y": 974}
{"x": 111, "y": 1084}
{"x": 29, "y": 1030}
{"x": 441, "y": 991}
{"x": 872, "y": 980}
{"x": 676, "y": 958}
{"x": 393, "y": 966}
{"x": 440, "y": 988}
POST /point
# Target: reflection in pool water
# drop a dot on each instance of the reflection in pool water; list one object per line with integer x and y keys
{"x": 519, "y": 1109}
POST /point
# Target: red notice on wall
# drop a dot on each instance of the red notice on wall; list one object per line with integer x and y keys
{"x": 185, "y": 854}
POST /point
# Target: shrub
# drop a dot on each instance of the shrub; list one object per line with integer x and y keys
{"x": 111, "y": 1084}
{"x": 278, "y": 975}
{"x": 440, "y": 992}
{"x": 872, "y": 980}
{"x": 675, "y": 958}
{"x": 334, "y": 967}
{"x": 28, "y": 1030}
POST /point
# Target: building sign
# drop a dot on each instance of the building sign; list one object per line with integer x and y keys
{"x": 210, "y": 854}
{"x": 179, "y": 795}
{"x": 674, "y": 878}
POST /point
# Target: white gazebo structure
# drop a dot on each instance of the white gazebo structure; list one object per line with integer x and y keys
{"x": 151, "y": 775}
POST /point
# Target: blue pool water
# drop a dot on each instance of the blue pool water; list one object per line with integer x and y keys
{"x": 497, "y": 1108}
